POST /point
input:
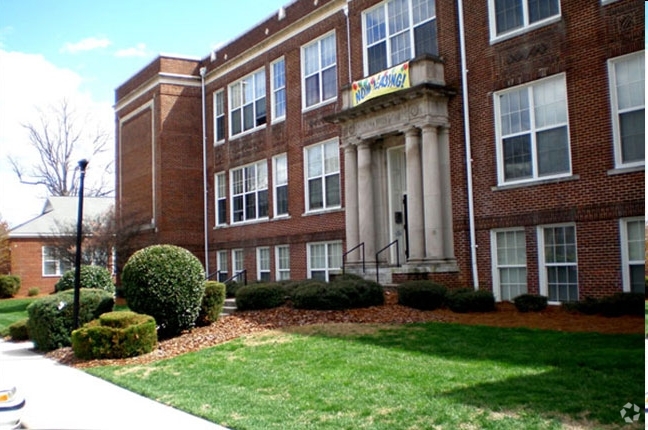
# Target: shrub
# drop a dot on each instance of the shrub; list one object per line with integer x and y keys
{"x": 115, "y": 335}
{"x": 51, "y": 318}
{"x": 623, "y": 304}
{"x": 212, "y": 303}
{"x": 530, "y": 302}
{"x": 260, "y": 296}
{"x": 166, "y": 282}
{"x": 338, "y": 295}
{"x": 18, "y": 330}
{"x": 9, "y": 286}
{"x": 33, "y": 291}
{"x": 467, "y": 300}
{"x": 424, "y": 295}
{"x": 231, "y": 288}
{"x": 89, "y": 277}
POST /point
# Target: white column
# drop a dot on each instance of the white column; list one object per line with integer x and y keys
{"x": 366, "y": 223}
{"x": 415, "y": 228}
{"x": 446, "y": 192}
{"x": 351, "y": 199}
{"x": 432, "y": 199}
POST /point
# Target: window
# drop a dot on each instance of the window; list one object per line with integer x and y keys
{"x": 263, "y": 264}
{"x": 514, "y": 16}
{"x": 319, "y": 71}
{"x": 250, "y": 192}
{"x": 54, "y": 263}
{"x": 280, "y": 178}
{"x": 219, "y": 116}
{"x": 282, "y": 261}
{"x": 532, "y": 131}
{"x": 279, "y": 89}
{"x": 633, "y": 254}
{"x": 558, "y": 263}
{"x": 323, "y": 259}
{"x": 237, "y": 262}
{"x": 398, "y": 30}
{"x": 323, "y": 176}
{"x": 627, "y": 92}
{"x": 247, "y": 103}
{"x": 221, "y": 266}
{"x": 221, "y": 199}
{"x": 509, "y": 263}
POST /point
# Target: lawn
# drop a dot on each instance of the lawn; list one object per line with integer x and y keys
{"x": 12, "y": 310}
{"x": 421, "y": 376}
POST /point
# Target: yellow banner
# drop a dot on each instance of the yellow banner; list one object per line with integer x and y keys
{"x": 385, "y": 82}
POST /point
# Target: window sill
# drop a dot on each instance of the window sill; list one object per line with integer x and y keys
{"x": 306, "y": 109}
{"x": 323, "y": 211}
{"x": 251, "y": 222}
{"x": 622, "y": 170}
{"x": 519, "y": 31}
{"x": 534, "y": 183}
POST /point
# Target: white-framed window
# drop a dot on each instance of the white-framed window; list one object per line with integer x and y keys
{"x": 532, "y": 130}
{"x": 319, "y": 71}
{"x": 238, "y": 264}
{"x": 250, "y": 192}
{"x": 511, "y": 17}
{"x": 263, "y": 264}
{"x": 558, "y": 262}
{"x": 221, "y": 266}
{"x": 324, "y": 259}
{"x": 247, "y": 103}
{"x": 322, "y": 176}
{"x": 53, "y": 262}
{"x": 219, "y": 116}
{"x": 280, "y": 184}
{"x": 396, "y": 31}
{"x": 278, "y": 89}
{"x": 282, "y": 262}
{"x": 627, "y": 76}
{"x": 508, "y": 251}
{"x": 633, "y": 254}
{"x": 221, "y": 198}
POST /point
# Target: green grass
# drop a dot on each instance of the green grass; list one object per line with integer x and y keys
{"x": 422, "y": 376}
{"x": 12, "y": 310}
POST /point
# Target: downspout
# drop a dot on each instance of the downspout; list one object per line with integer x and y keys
{"x": 469, "y": 183}
{"x": 203, "y": 70}
{"x": 348, "y": 29}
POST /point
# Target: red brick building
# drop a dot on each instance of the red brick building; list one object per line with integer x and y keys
{"x": 482, "y": 144}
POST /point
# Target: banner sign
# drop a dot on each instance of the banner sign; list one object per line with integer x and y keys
{"x": 385, "y": 82}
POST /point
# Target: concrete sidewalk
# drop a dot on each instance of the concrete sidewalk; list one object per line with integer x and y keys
{"x": 61, "y": 397}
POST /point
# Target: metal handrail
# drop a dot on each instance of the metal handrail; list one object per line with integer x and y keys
{"x": 237, "y": 275}
{"x": 211, "y": 275}
{"x": 384, "y": 249}
{"x": 362, "y": 245}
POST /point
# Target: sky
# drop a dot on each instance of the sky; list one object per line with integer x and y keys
{"x": 81, "y": 51}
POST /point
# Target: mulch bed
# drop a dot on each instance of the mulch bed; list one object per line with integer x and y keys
{"x": 243, "y": 323}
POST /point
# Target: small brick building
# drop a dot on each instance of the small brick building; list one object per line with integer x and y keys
{"x": 476, "y": 145}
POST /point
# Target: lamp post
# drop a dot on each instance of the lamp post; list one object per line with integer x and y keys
{"x": 77, "y": 261}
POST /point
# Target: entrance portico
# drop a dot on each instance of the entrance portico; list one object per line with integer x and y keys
{"x": 397, "y": 174}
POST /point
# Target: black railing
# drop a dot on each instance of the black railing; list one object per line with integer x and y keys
{"x": 385, "y": 249}
{"x": 236, "y": 276}
{"x": 361, "y": 245}
{"x": 211, "y": 275}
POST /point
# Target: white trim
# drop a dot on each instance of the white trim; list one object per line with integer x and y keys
{"x": 278, "y": 269}
{"x": 542, "y": 266}
{"x": 327, "y": 270}
{"x": 625, "y": 253}
{"x": 322, "y": 101}
{"x": 220, "y": 91}
{"x": 237, "y": 270}
{"x": 275, "y": 185}
{"x": 497, "y": 287}
{"x": 219, "y": 267}
{"x": 260, "y": 270}
{"x": 324, "y": 208}
{"x": 156, "y": 81}
{"x": 222, "y": 174}
{"x": 240, "y": 82}
{"x": 257, "y": 218}
{"x": 614, "y": 110}
{"x": 273, "y": 91}
{"x": 526, "y": 26}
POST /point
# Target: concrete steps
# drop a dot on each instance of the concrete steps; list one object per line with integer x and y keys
{"x": 229, "y": 307}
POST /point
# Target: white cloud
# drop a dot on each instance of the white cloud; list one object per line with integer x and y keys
{"x": 29, "y": 82}
{"x": 137, "y": 51}
{"x": 87, "y": 44}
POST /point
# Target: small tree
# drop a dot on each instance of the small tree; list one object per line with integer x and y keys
{"x": 5, "y": 249}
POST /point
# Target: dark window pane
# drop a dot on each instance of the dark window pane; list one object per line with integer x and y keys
{"x": 541, "y": 9}
{"x": 265, "y": 276}
{"x": 377, "y": 56}
{"x": 220, "y": 128}
{"x": 248, "y": 117}
{"x": 425, "y": 39}
{"x": 517, "y": 157}
{"x": 238, "y": 208}
{"x": 312, "y": 90}
{"x": 222, "y": 211}
{"x": 329, "y": 83}
{"x": 250, "y": 206}
{"x": 508, "y": 15}
{"x": 263, "y": 203}
{"x": 553, "y": 151}
{"x": 236, "y": 121}
{"x": 260, "y": 111}
{"x": 282, "y": 200}
{"x": 332, "y": 190}
{"x": 633, "y": 136}
{"x": 637, "y": 278}
{"x": 319, "y": 275}
{"x": 315, "y": 193}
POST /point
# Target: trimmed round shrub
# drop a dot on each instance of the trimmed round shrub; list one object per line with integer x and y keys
{"x": 530, "y": 302}
{"x": 18, "y": 330}
{"x": 467, "y": 300}
{"x": 166, "y": 282}
{"x": 423, "y": 295}
{"x": 115, "y": 335}
{"x": 51, "y": 318}
{"x": 338, "y": 295}
{"x": 212, "y": 303}
{"x": 260, "y": 296}
{"x": 89, "y": 277}
{"x": 620, "y": 304}
{"x": 9, "y": 286}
